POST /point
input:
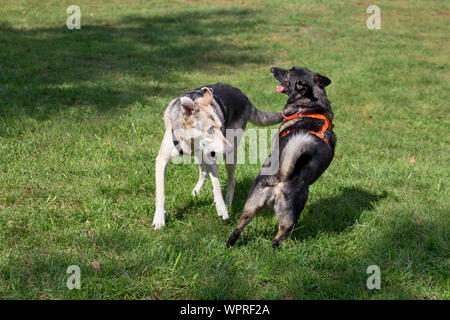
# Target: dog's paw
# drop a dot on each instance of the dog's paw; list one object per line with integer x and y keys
{"x": 232, "y": 239}
{"x": 222, "y": 210}
{"x": 195, "y": 192}
{"x": 230, "y": 194}
{"x": 158, "y": 220}
{"x": 229, "y": 199}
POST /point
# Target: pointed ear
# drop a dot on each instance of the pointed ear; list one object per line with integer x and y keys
{"x": 207, "y": 98}
{"x": 188, "y": 106}
{"x": 322, "y": 81}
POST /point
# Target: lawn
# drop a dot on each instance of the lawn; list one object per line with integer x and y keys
{"x": 81, "y": 124}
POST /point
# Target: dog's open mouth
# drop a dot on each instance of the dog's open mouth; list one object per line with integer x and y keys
{"x": 280, "y": 88}
{"x": 275, "y": 73}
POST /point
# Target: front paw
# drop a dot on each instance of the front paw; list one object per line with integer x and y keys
{"x": 222, "y": 210}
{"x": 229, "y": 199}
{"x": 158, "y": 219}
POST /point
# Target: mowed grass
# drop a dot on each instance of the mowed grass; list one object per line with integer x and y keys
{"x": 81, "y": 124}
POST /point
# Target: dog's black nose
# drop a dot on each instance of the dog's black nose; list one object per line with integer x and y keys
{"x": 213, "y": 154}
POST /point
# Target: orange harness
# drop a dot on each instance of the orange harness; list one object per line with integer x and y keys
{"x": 320, "y": 134}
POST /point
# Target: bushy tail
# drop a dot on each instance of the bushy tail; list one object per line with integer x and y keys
{"x": 295, "y": 154}
{"x": 262, "y": 118}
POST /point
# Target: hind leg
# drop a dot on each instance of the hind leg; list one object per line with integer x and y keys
{"x": 231, "y": 168}
{"x": 258, "y": 198}
{"x": 288, "y": 206}
{"x": 230, "y": 163}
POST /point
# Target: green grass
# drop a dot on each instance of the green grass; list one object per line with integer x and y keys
{"x": 81, "y": 123}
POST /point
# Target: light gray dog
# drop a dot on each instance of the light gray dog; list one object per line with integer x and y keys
{"x": 196, "y": 123}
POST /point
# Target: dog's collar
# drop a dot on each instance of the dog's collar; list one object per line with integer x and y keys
{"x": 177, "y": 144}
{"x": 320, "y": 134}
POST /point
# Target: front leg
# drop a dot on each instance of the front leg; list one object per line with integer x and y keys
{"x": 160, "y": 175}
{"x": 166, "y": 153}
{"x": 202, "y": 173}
{"x": 217, "y": 191}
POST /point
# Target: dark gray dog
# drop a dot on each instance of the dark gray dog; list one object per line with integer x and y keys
{"x": 306, "y": 147}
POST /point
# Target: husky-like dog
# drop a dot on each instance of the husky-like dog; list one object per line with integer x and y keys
{"x": 195, "y": 125}
{"x": 305, "y": 147}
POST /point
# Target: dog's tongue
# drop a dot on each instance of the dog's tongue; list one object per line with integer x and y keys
{"x": 280, "y": 88}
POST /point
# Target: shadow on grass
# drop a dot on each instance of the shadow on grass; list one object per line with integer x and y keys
{"x": 337, "y": 213}
{"x": 45, "y": 70}
{"x": 242, "y": 188}
{"x": 329, "y": 215}
{"x": 406, "y": 253}
{"x": 195, "y": 205}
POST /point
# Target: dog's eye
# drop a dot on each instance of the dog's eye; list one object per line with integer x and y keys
{"x": 301, "y": 85}
{"x": 211, "y": 131}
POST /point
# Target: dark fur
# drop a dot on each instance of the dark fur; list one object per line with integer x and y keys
{"x": 235, "y": 107}
{"x": 287, "y": 192}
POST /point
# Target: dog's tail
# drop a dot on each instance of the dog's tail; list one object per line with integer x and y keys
{"x": 263, "y": 118}
{"x": 295, "y": 155}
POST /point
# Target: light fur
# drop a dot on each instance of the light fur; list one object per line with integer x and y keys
{"x": 296, "y": 146}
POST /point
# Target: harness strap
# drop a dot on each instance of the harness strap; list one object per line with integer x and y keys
{"x": 320, "y": 134}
